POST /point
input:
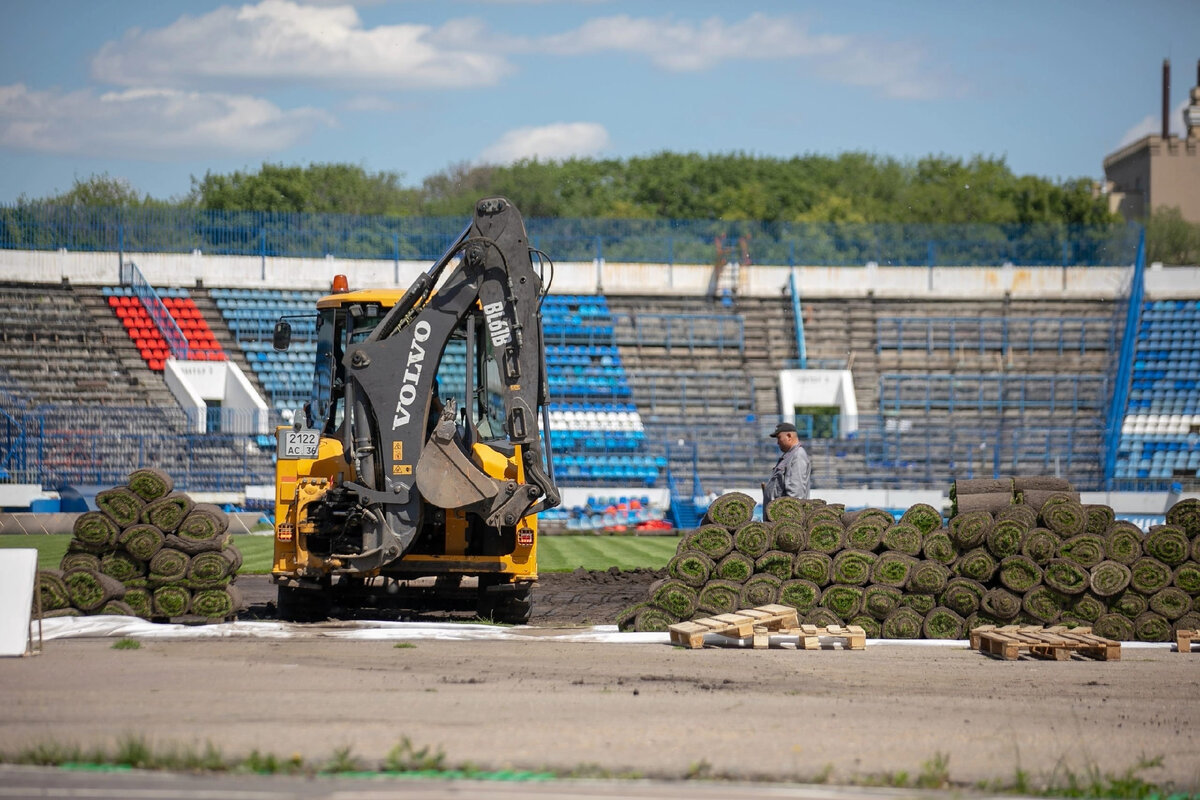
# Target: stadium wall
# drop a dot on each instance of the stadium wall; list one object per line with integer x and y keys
{"x": 92, "y": 268}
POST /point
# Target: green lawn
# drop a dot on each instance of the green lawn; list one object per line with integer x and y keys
{"x": 555, "y": 553}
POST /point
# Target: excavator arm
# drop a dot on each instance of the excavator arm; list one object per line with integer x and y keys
{"x": 389, "y": 388}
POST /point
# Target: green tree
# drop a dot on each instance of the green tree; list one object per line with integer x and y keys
{"x": 317, "y": 188}
{"x": 102, "y": 190}
{"x": 1171, "y": 239}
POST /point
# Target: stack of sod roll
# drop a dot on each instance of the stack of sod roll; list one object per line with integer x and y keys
{"x": 149, "y": 552}
{"x": 1053, "y": 562}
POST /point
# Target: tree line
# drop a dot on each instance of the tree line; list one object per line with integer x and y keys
{"x": 852, "y": 187}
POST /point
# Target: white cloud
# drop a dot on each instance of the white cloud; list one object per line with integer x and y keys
{"x": 896, "y": 69}
{"x": 1151, "y": 125}
{"x": 281, "y": 42}
{"x": 149, "y": 124}
{"x": 548, "y": 142}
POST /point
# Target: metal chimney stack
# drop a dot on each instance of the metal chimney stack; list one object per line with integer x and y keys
{"x": 1166, "y": 99}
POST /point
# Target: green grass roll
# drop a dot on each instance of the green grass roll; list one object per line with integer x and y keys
{"x": 938, "y": 546}
{"x": 171, "y": 601}
{"x": 800, "y": 594}
{"x": 52, "y": 590}
{"x": 167, "y": 512}
{"x": 928, "y": 577}
{"x": 1044, "y": 604}
{"x": 1065, "y": 576}
{"x": 150, "y": 484}
{"x": 713, "y": 540}
{"x": 213, "y": 566}
{"x": 977, "y": 564}
{"x": 826, "y": 536}
{"x": 1067, "y": 518}
{"x": 719, "y": 597}
{"x": 652, "y": 619}
{"x": 1168, "y": 544}
{"x": 1149, "y": 575}
{"x": 141, "y": 541}
{"x": 89, "y": 590}
{"x": 628, "y": 616}
{"x": 753, "y": 539}
{"x": 1114, "y": 626}
{"x": 95, "y": 532}
{"x": 892, "y": 568}
{"x": 1129, "y": 603}
{"x": 903, "y": 623}
{"x": 903, "y": 537}
{"x": 871, "y": 626}
{"x": 970, "y": 530}
{"x": 943, "y": 623}
{"x": 1099, "y": 517}
{"x": 880, "y": 601}
{"x": 1026, "y": 515}
{"x": 169, "y": 565}
{"x": 864, "y": 534}
{"x": 813, "y": 566}
{"x": 1000, "y": 604}
{"x": 1086, "y": 549}
{"x": 139, "y": 599}
{"x": 962, "y": 596}
{"x": 920, "y": 602}
{"x": 736, "y": 567}
{"x": 1004, "y": 538}
{"x": 116, "y": 608}
{"x": 203, "y": 524}
{"x": 1188, "y": 622}
{"x": 923, "y": 517}
{"x": 1185, "y": 515}
{"x": 852, "y": 567}
{"x": 843, "y": 600}
{"x": 775, "y": 562}
{"x": 692, "y": 567}
{"x": 1109, "y": 578}
{"x": 785, "y": 509}
{"x": 1187, "y": 577}
{"x": 1086, "y": 607}
{"x": 1040, "y": 545}
{"x": 1171, "y": 602}
{"x": 216, "y": 603}
{"x": 676, "y": 598}
{"x": 790, "y": 536}
{"x": 121, "y": 505}
{"x": 732, "y": 510}
{"x": 1151, "y": 627}
{"x": 122, "y": 566}
{"x": 79, "y": 560}
{"x": 1123, "y": 542}
{"x": 821, "y": 617}
{"x": 1019, "y": 574}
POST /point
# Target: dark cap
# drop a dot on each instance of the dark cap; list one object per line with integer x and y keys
{"x": 783, "y": 427}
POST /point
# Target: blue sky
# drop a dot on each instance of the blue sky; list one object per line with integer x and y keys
{"x": 156, "y": 92}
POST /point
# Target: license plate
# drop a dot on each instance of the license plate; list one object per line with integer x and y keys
{"x": 295, "y": 444}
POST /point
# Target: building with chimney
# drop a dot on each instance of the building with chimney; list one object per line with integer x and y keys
{"x": 1159, "y": 171}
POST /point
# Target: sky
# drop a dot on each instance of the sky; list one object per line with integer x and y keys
{"x": 158, "y": 93}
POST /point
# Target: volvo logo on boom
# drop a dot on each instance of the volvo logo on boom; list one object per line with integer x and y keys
{"x": 497, "y": 324}
{"x": 412, "y": 374}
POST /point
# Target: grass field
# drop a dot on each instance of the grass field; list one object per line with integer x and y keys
{"x": 555, "y": 553}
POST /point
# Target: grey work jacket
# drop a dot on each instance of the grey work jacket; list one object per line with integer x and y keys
{"x": 790, "y": 477}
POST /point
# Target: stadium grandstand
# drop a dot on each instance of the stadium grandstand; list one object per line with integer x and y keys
{"x": 908, "y": 356}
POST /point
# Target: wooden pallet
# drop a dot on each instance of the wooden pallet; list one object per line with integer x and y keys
{"x": 808, "y": 637}
{"x": 746, "y": 623}
{"x": 1184, "y": 639}
{"x": 1057, "y": 643}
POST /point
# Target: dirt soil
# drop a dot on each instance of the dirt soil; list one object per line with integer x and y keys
{"x": 649, "y": 708}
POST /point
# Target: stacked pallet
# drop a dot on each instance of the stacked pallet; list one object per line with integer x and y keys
{"x": 149, "y": 552}
{"x": 1028, "y": 553}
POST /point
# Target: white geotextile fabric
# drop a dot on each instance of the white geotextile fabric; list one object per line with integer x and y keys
{"x": 137, "y": 628}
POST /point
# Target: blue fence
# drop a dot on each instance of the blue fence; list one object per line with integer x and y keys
{"x": 183, "y": 230}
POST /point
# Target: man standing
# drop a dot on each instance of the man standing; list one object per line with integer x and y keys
{"x": 790, "y": 477}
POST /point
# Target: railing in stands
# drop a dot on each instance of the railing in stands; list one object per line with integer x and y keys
{"x": 178, "y": 343}
{"x": 979, "y": 392}
{"x": 681, "y": 331}
{"x": 1002, "y": 335}
{"x": 1120, "y": 392}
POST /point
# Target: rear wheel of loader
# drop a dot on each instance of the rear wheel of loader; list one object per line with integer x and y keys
{"x": 302, "y": 605}
{"x": 512, "y": 606}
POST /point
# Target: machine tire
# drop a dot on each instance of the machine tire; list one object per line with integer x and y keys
{"x": 302, "y": 605}
{"x": 510, "y": 608}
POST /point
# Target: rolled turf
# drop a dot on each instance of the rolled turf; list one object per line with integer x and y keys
{"x": 736, "y": 567}
{"x": 676, "y": 598}
{"x": 969, "y": 530}
{"x": 1004, "y": 538}
{"x": 692, "y": 567}
{"x": 140, "y": 601}
{"x": 1065, "y": 576}
{"x": 826, "y": 536}
{"x": 753, "y": 539}
{"x": 871, "y": 626}
{"x": 1123, "y": 542}
{"x": 1044, "y": 604}
{"x": 903, "y": 623}
{"x": 845, "y": 601}
{"x": 1099, "y": 517}
{"x": 775, "y": 562}
{"x": 1187, "y": 577}
{"x": 1168, "y": 544}
{"x": 712, "y": 540}
{"x": 790, "y": 536}
{"x": 150, "y": 484}
{"x": 141, "y": 541}
{"x": 169, "y": 565}
{"x": 166, "y": 513}
{"x": 1040, "y": 545}
{"x": 216, "y": 566}
{"x": 924, "y": 517}
{"x": 1171, "y": 602}
{"x": 651, "y": 619}
{"x": 800, "y": 594}
{"x": 122, "y": 566}
{"x": 89, "y": 589}
{"x": 852, "y": 567}
{"x": 1067, "y": 518}
{"x": 1019, "y": 574}
{"x": 732, "y": 510}
{"x": 785, "y": 508}
{"x": 943, "y": 623}
{"x": 122, "y": 505}
{"x": 1186, "y": 515}
{"x": 1149, "y": 575}
{"x": 977, "y": 564}
{"x": 1151, "y": 627}
{"x": 1109, "y": 578}
{"x": 928, "y": 577}
{"x": 989, "y": 502}
{"x": 893, "y": 568}
{"x": 117, "y": 608}
{"x": 203, "y": 524}
{"x": 903, "y": 537}
{"x": 719, "y": 597}
{"x": 880, "y": 601}
{"x": 1085, "y": 549}
{"x": 79, "y": 560}
{"x": 52, "y": 590}
{"x": 1022, "y": 513}
{"x": 811, "y": 566}
{"x": 1114, "y": 626}
{"x": 216, "y": 603}
{"x": 963, "y": 596}
{"x": 1129, "y": 604}
{"x": 939, "y": 547}
{"x": 1086, "y": 607}
{"x": 865, "y": 534}
{"x": 1000, "y": 604}
{"x": 95, "y": 531}
{"x": 921, "y": 603}
{"x": 821, "y": 617}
